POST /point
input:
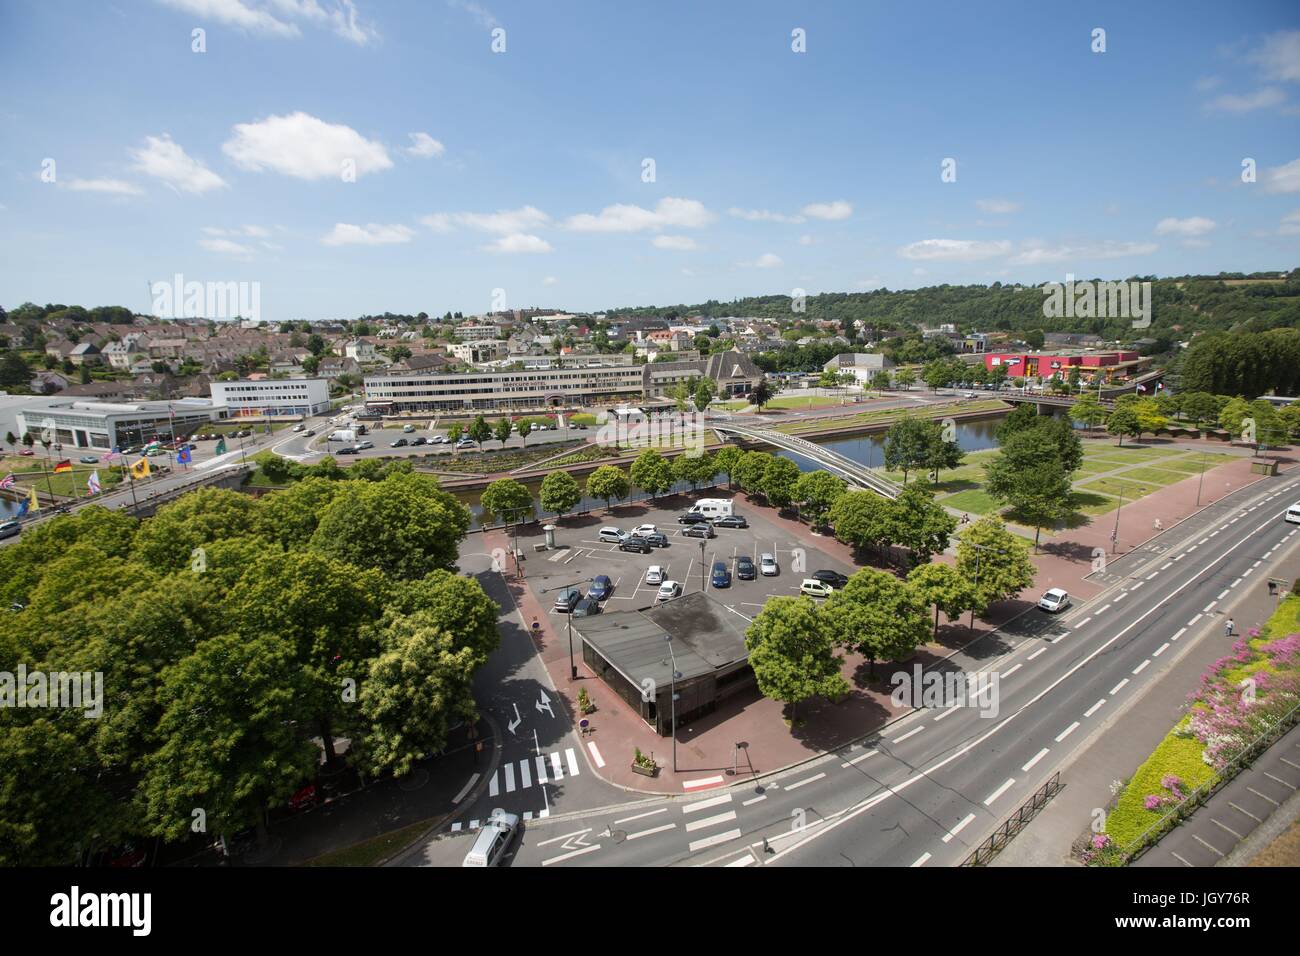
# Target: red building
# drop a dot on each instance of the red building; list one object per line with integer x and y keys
{"x": 1038, "y": 365}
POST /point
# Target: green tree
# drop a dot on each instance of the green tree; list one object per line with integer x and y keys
{"x": 651, "y": 472}
{"x": 751, "y": 471}
{"x": 762, "y": 394}
{"x": 502, "y": 430}
{"x": 1087, "y": 411}
{"x": 14, "y": 373}
{"x": 943, "y": 586}
{"x": 480, "y": 430}
{"x": 681, "y": 396}
{"x": 792, "y": 653}
{"x": 905, "y": 378}
{"x": 862, "y": 519}
{"x": 1122, "y": 421}
{"x": 816, "y": 493}
{"x": 728, "y": 459}
{"x": 706, "y": 390}
{"x": 607, "y": 483}
{"x": 167, "y": 540}
{"x": 507, "y": 500}
{"x": 560, "y": 492}
{"x": 995, "y": 561}
{"x": 1200, "y": 407}
{"x": 879, "y": 616}
{"x": 779, "y": 479}
{"x": 919, "y": 523}
{"x": 908, "y": 444}
{"x": 694, "y": 469}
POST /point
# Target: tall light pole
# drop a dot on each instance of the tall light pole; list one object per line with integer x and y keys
{"x": 573, "y": 667}
{"x": 1201, "y": 481}
{"x": 702, "y": 562}
{"x": 672, "y": 696}
{"x": 1114, "y": 535}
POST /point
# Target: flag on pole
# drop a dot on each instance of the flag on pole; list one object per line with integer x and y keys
{"x": 65, "y": 465}
{"x": 31, "y": 504}
{"x": 150, "y": 447}
{"x": 112, "y": 454}
{"x": 184, "y": 457}
{"x": 140, "y": 469}
{"x": 1141, "y": 388}
{"x": 7, "y": 482}
{"x": 221, "y": 447}
{"x": 92, "y": 483}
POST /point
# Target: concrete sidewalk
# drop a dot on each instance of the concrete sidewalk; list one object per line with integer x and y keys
{"x": 1107, "y": 757}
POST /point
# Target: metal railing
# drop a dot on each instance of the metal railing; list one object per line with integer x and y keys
{"x": 832, "y": 461}
{"x": 1005, "y": 833}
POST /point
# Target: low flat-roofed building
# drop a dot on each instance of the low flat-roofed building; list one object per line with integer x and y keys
{"x": 629, "y": 650}
{"x": 273, "y": 398}
{"x": 106, "y": 425}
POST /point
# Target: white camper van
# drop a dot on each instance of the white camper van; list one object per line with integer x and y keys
{"x": 343, "y": 434}
{"x": 711, "y": 507}
{"x": 1293, "y": 514}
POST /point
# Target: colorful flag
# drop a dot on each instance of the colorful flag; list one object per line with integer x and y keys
{"x": 221, "y": 447}
{"x": 32, "y": 503}
{"x": 65, "y": 465}
{"x": 150, "y": 447}
{"x": 184, "y": 457}
{"x": 92, "y": 483}
{"x": 140, "y": 469}
{"x": 7, "y": 482}
{"x": 112, "y": 454}
{"x": 1142, "y": 388}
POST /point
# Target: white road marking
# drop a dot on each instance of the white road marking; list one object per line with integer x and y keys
{"x": 652, "y": 831}
{"x": 1066, "y": 732}
{"x": 494, "y": 788}
{"x": 1102, "y": 608}
{"x": 1181, "y": 632}
{"x": 965, "y": 821}
{"x": 1010, "y": 671}
{"x": 1194, "y": 620}
{"x": 1166, "y": 565}
{"x": 570, "y": 855}
{"x": 467, "y": 788}
{"x": 1209, "y": 607}
{"x": 699, "y": 805}
{"x": 525, "y": 775}
{"x": 641, "y": 816}
{"x": 1095, "y": 707}
{"x": 948, "y": 712}
{"x": 711, "y": 821}
{"x": 701, "y": 782}
{"x": 556, "y": 767}
{"x": 759, "y": 799}
{"x": 595, "y": 753}
{"x": 852, "y": 760}
{"x": 999, "y": 791}
{"x": 713, "y": 840}
{"x": 1118, "y": 687}
{"x": 572, "y": 758}
{"x": 541, "y": 769}
{"x": 1222, "y": 594}
{"x": 509, "y": 771}
{"x": 1160, "y": 650}
{"x": 921, "y": 860}
{"x": 1153, "y": 574}
{"x": 911, "y": 733}
{"x": 795, "y": 786}
{"x": 561, "y": 839}
{"x": 1141, "y": 667}
{"x": 1037, "y": 757}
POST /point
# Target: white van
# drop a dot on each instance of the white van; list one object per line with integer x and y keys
{"x": 493, "y": 840}
{"x": 711, "y": 507}
{"x": 1293, "y": 514}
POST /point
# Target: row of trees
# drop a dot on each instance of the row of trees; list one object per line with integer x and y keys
{"x": 795, "y": 645}
{"x": 1257, "y": 422}
{"x": 230, "y": 631}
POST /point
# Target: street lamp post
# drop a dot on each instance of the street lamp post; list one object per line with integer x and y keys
{"x": 702, "y": 575}
{"x": 1201, "y": 481}
{"x": 1114, "y": 535}
{"x": 672, "y": 696}
{"x": 573, "y": 667}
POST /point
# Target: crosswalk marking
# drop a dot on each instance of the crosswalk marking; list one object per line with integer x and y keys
{"x": 525, "y": 775}
{"x": 509, "y": 771}
{"x": 573, "y": 761}
{"x": 506, "y": 780}
{"x": 711, "y": 821}
{"x": 541, "y": 769}
{"x": 493, "y": 787}
{"x": 555, "y": 765}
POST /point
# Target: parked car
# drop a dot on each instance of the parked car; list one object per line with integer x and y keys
{"x": 745, "y": 569}
{"x": 299, "y": 427}
{"x": 408, "y": 428}
{"x": 730, "y": 521}
{"x": 1053, "y": 600}
{"x": 363, "y": 445}
{"x": 88, "y": 460}
{"x": 567, "y": 599}
{"x": 346, "y": 451}
{"x": 690, "y": 518}
{"x": 655, "y": 575}
{"x": 601, "y": 587}
{"x": 815, "y": 588}
{"x": 639, "y": 545}
{"x": 657, "y": 540}
{"x": 420, "y": 440}
{"x": 493, "y": 840}
{"x": 27, "y": 453}
{"x": 668, "y": 590}
{"x": 586, "y": 607}
{"x": 833, "y": 578}
{"x": 309, "y": 433}
{"x": 439, "y": 440}
{"x": 400, "y": 443}
{"x": 721, "y": 577}
{"x": 642, "y": 530}
{"x": 610, "y": 535}
{"x": 704, "y": 530}
{"x": 767, "y": 565}
{"x": 466, "y": 443}
{"x": 10, "y": 529}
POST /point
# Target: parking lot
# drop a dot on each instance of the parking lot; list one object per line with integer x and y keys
{"x": 580, "y": 555}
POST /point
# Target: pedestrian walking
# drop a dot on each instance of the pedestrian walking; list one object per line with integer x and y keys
{"x": 1158, "y": 526}
{"x": 1228, "y": 627}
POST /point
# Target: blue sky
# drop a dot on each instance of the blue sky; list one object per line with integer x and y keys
{"x": 523, "y": 170}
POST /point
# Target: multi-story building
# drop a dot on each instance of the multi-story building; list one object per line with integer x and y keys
{"x": 479, "y": 350}
{"x": 103, "y": 426}
{"x": 863, "y": 365}
{"x": 273, "y": 398}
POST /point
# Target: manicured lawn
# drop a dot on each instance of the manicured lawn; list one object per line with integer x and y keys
{"x": 1118, "y": 485}
{"x": 974, "y": 500}
{"x": 1113, "y": 452}
{"x": 1191, "y": 462}
{"x": 884, "y": 415}
{"x": 730, "y": 406}
{"x": 1157, "y": 476}
{"x": 1091, "y": 504}
{"x": 805, "y": 401}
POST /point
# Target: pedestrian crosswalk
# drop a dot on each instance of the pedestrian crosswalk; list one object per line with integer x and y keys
{"x": 526, "y": 773}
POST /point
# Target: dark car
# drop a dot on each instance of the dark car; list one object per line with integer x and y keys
{"x": 658, "y": 539}
{"x": 400, "y": 443}
{"x": 639, "y": 545}
{"x": 10, "y": 528}
{"x": 601, "y": 587}
{"x": 704, "y": 530}
{"x": 833, "y": 578}
{"x": 730, "y": 521}
{"x": 419, "y": 441}
{"x": 567, "y": 600}
{"x": 586, "y": 607}
{"x": 745, "y": 569}
{"x": 690, "y": 518}
{"x": 721, "y": 576}
{"x": 347, "y": 451}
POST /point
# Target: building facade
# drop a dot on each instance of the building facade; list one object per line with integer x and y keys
{"x": 273, "y": 398}
{"x": 103, "y": 426}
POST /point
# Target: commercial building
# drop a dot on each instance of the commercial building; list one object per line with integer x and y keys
{"x": 273, "y": 398}
{"x": 479, "y": 351}
{"x": 399, "y": 392}
{"x": 1109, "y": 366}
{"x": 634, "y": 652}
{"x": 106, "y": 425}
{"x": 862, "y": 365}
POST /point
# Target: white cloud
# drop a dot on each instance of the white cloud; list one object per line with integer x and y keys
{"x": 1247, "y": 102}
{"x": 998, "y": 207}
{"x": 518, "y": 242}
{"x": 1290, "y": 225}
{"x": 670, "y": 212}
{"x": 227, "y": 247}
{"x": 1207, "y": 83}
{"x": 961, "y": 250}
{"x": 1279, "y": 56}
{"x": 424, "y": 146}
{"x": 806, "y": 240}
{"x": 1188, "y": 228}
{"x": 371, "y": 234}
{"x": 550, "y": 280}
{"x": 679, "y": 243}
{"x": 164, "y": 159}
{"x": 276, "y": 17}
{"x": 839, "y": 209}
{"x": 1283, "y": 179}
{"x": 767, "y": 260}
{"x": 256, "y": 232}
{"x": 302, "y": 146}
{"x": 114, "y": 187}
{"x": 872, "y": 283}
{"x": 482, "y": 14}
{"x": 762, "y": 215}
{"x": 1033, "y": 253}
{"x": 502, "y": 222}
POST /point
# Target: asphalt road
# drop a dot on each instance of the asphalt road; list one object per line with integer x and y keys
{"x": 936, "y": 782}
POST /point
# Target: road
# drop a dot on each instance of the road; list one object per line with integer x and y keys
{"x": 935, "y": 783}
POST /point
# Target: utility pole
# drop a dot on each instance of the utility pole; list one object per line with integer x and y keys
{"x": 703, "y": 577}
{"x": 1201, "y": 481}
{"x": 1114, "y": 535}
{"x": 672, "y": 695}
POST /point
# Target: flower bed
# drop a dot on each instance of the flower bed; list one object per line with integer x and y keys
{"x": 1239, "y": 704}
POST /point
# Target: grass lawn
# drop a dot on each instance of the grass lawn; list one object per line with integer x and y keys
{"x": 1131, "y": 456}
{"x": 974, "y": 500}
{"x": 1131, "y": 490}
{"x": 885, "y": 415}
{"x": 731, "y": 406}
{"x": 1158, "y": 476}
{"x": 1091, "y": 504}
{"x": 1191, "y": 462}
{"x": 804, "y": 401}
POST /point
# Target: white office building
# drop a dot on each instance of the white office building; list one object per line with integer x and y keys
{"x": 273, "y": 398}
{"x": 107, "y": 425}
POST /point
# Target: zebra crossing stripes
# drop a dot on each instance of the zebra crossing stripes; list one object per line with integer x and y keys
{"x": 518, "y": 775}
